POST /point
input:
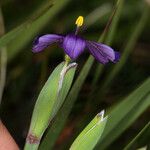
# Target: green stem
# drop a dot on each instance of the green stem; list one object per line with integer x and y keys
{"x": 67, "y": 60}
{"x": 32, "y": 142}
{"x": 29, "y": 146}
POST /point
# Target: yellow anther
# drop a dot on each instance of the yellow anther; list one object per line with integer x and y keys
{"x": 79, "y": 21}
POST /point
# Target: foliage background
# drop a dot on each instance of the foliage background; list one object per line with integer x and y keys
{"x": 27, "y": 72}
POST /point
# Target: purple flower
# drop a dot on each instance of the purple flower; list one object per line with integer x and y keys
{"x": 74, "y": 45}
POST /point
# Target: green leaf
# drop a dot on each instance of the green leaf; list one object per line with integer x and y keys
{"x": 5, "y": 39}
{"x": 141, "y": 139}
{"x": 125, "y": 113}
{"x": 143, "y": 148}
{"x": 128, "y": 49}
{"x": 58, "y": 122}
{"x": 89, "y": 137}
{"x": 51, "y": 98}
{"x": 114, "y": 20}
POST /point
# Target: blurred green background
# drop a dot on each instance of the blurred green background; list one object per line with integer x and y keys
{"x": 27, "y": 72}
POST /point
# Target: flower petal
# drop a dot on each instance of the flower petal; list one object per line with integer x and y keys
{"x": 102, "y": 52}
{"x": 73, "y": 45}
{"x": 117, "y": 57}
{"x": 44, "y": 41}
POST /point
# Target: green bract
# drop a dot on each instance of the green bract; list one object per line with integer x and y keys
{"x": 50, "y": 99}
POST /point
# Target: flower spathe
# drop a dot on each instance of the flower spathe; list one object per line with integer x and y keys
{"x": 74, "y": 45}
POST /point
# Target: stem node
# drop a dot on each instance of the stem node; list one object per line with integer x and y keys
{"x": 32, "y": 139}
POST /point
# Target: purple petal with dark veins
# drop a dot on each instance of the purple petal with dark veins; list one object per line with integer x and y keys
{"x": 44, "y": 41}
{"x": 102, "y": 52}
{"x": 73, "y": 45}
{"x": 117, "y": 57}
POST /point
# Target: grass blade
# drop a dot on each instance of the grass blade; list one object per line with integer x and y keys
{"x": 141, "y": 139}
{"x": 125, "y": 113}
{"x": 129, "y": 47}
{"x": 5, "y": 39}
{"x": 108, "y": 41}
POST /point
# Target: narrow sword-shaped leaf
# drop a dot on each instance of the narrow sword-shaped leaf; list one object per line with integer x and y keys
{"x": 89, "y": 137}
{"x": 5, "y": 39}
{"x": 108, "y": 41}
{"x": 143, "y": 148}
{"x": 125, "y": 113}
{"x": 128, "y": 49}
{"x": 141, "y": 139}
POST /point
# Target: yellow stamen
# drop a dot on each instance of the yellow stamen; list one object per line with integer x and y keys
{"x": 79, "y": 21}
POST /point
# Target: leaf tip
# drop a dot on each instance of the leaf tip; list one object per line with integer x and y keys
{"x": 101, "y": 117}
